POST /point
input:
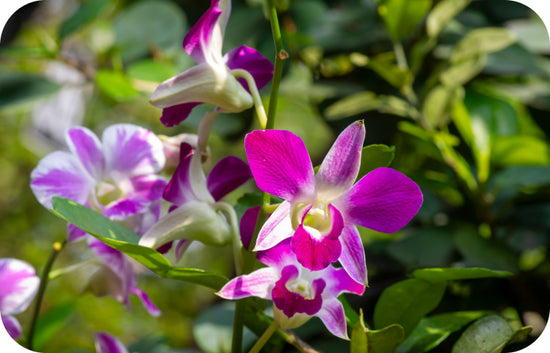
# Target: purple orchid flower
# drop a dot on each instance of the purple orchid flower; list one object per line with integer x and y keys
{"x": 116, "y": 277}
{"x": 193, "y": 195}
{"x": 212, "y": 80}
{"x": 18, "y": 286}
{"x": 297, "y": 293}
{"x": 116, "y": 176}
{"x": 321, "y": 211}
{"x": 106, "y": 343}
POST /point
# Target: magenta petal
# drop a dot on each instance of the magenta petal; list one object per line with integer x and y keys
{"x": 61, "y": 174}
{"x": 124, "y": 208}
{"x": 181, "y": 247}
{"x": 175, "y": 114}
{"x": 84, "y": 144}
{"x": 353, "y": 254}
{"x": 19, "y": 285}
{"x": 149, "y": 186}
{"x": 339, "y": 169}
{"x": 280, "y": 164}
{"x": 333, "y": 316}
{"x": 258, "y": 283}
{"x": 74, "y": 233}
{"x": 278, "y": 256}
{"x": 12, "y": 326}
{"x": 384, "y": 200}
{"x": 291, "y": 303}
{"x": 339, "y": 281}
{"x": 277, "y": 228}
{"x": 251, "y": 60}
{"x": 227, "y": 175}
{"x": 147, "y": 303}
{"x": 106, "y": 343}
{"x": 248, "y": 224}
{"x": 179, "y": 190}
{"x": 113, "y": 258}
{"x": 197, "y": 41}
{"x": 131, "y": 150}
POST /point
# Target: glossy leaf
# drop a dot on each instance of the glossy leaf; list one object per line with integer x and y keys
{"x": 401, "y": 17}
{"x": 385, "y": 340}
{"x": 487, "y": 335}
{"x": 442, "y": 13}
{"x": 83, "y": 15}
{"x": 358, "y": 340}
{"x": 456, "y": 273}
{"x": 433, "y": 330}
{"x": 375, "y": 156}
{"x": 406, "y": 302}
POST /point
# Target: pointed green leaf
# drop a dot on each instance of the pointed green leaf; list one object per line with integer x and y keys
{"x": 481, "y": 41}
{"x": 385, "y": 340}
{"x": 401, "y": 17}
{"x": 452, "y": 273}
{"x": 84, "y": 14}
{"x": 375, "y": 156}
{"x": 358, "y": 342}
{"x": 487, "y": 335}
{"x": 406, "y": 302}
{"x": 439, "y": 103}
{"x": 367, "y": 101}
{"x": 385, "y": 65}
{"x": 442, "y": 13}
{"x": 18, "y": 88}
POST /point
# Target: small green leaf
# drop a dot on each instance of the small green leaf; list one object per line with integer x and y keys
{"x": 406, "y": 302}
{"x": 401, "y": 17}
{"x": 439, "y": 103}
{"x": 454, "y": 273}
{"x": 375, "y": 156}
{"x": 18, "y": 88}
{"x": 366, "y": 101}
{"x": 358, "y": 343}
{"x": 433, "y": 330}
{"x": 487, "y": 335}
{"x": 461, "y": 72}
{"x": 115, "y": 85}
{"x": 481, "y": 41}
{"x": 442, "y": 13}
{"x": 385, "y": 340}
{"x": 385, "y": 65}
{"x": 83, "y": 15}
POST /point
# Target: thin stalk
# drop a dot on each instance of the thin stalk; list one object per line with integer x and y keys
{"x": 264, "y": 337}
{"x": 204, "y": 129}
{"x": 260, "y": 110}
{"x": 236, "y": 234}
{"x": 56, "y": 249}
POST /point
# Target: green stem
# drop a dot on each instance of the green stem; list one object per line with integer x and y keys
{"x": 234, "y": 222}
{"x": 260, "y": 110}
{"x": 400, "y": 56}
{"x": 56, "y": 249}
{"x": 264, "y": 337}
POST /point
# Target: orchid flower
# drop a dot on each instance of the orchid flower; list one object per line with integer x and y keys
{"x": 18, "y": 286}
{"x": 116, "y": 176}
{"x": 321, "y": 211}
{"x": 216, "y": 79}
{"x": 116, "y": 277}
{"x": 297, "y": 293}
{"x": 196, "y": 201}
{"x": 106, "y": 343}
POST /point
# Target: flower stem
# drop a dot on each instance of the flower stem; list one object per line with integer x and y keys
{"x": 260, "y": 110}
{"x": 282, "y": 55}
{"x": 236, "y": 241}
{"x": 56, "y": 249}
{"x": 264, "y": 337}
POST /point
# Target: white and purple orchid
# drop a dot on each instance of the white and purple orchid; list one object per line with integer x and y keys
{"x": 297, "y": 293}
{"x": 18, "y": 286}
{"x": 106, "y": 343}
{"x": 116, "y": 277}
{"x": 214, "y": 79}
{"x": 116, "y": 176}
{"x": 321, "y": 211}
{"x": 195, "y": 197}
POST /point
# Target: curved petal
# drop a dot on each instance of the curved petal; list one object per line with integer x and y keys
{"x": 116, "y": 263}
{"x": 278, "y": 256}
{"x": 339, "y": 169}
{"x": 280, "y": 164}
{"x": 61, "y": 174}
{"x": 175, "y": 114}
{"x": 333, "y": 316}
{"x": 131, "y": 150}
{"x": 277, "y": 228}
{"x": 227, "y": 175}
{"x": 147, "y": 303}
{"x": 12, "y": 326}
{"x": 251, "y": 60}
{"x": 124, "y": 208}
{"x": 204, "y": 37}
{"x": 258, "y": 284}
{"x": 339, "y": 281}
{"x": 149, "y": 187}
{"x": 85, "y": 145}
{"x": 290, "y": 302}
{"x": 106, "y": 343}
{"x": 179, "y": 190}
{"x": 19, "y": 285}
{"x": 352, "y": 257}
{"x": 248, "y": 224}
{"x": 384, "y": 200}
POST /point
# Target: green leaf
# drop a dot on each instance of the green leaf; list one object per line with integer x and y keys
{"x": 445, "y": 142}
{"x": 481, "y": 41}
{"x": 459, "y": 73}
{"x": 358, "y": 342}
{"x": 401, "y": 17}
{"x": 385, "y": 340}
{"x": 151, "y": 70}
{"x": 366, "y": 101}
{"x": 149, "y": 25}
{"x": 115, "y": 85}
{"x": 487, "y": 335}
{"x": 426, "y": 247}
{"x": 406, "y": 302}
{"x": 375, "y": 156}
{"x": 83, "y": 15}
{"x": 520, "y": 150}
{"x": 126, "y": 241}
{"x": 439, "y": 103}
{"x": 442, "y": 13}
{"x": 51, "y": 322}
{"x": 18, "y": 88}
{"x": 433, "y": 330}
{"x": 385, "y": 65}
{"x": 455, "y": 273}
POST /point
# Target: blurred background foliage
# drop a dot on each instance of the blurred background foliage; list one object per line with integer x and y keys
{"x": 460, "y": 89}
